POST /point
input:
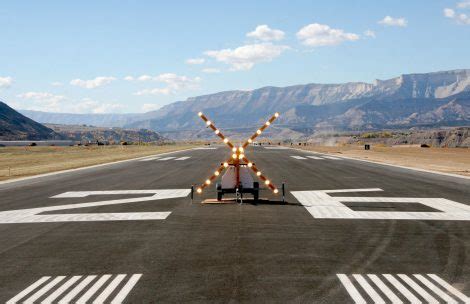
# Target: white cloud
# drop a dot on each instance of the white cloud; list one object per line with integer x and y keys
{"x": 464, "y": 4}
{"x": 146, "y": 107}
{"x": 195, "y": 61}
{"x": 88, "y": 105}
{"x": 459, "y": 18}
{"x": 390, "y": 21}
{"x": 57, "y": 84}
{"x": 245, "y": 57}
{"x": 316, "y": 34}
{"x": 144, "y": 78}
{"x": 369, "y": 33}
{"x": 128, "y": 78}
{"x": 156, "y": 91}
{"x": 44, "y": 100}
{"x": 210, "y": 70}
{"x": 92, "y": 83}
{"x": 265, "y": 33}
{"x": 5, "y": 82}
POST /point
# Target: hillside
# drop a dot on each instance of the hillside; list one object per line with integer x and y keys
{"x": 15, "y": 126}
{"x": 87, "y": 134}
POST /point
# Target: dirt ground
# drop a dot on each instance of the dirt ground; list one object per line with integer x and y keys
{"x": 18, "y": 162}
{"x": 448, "y": 160}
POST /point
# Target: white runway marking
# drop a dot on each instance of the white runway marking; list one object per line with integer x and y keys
{"x": 321, "y": 205}
{"x": 150, "y": 158}
{"x": 297, "y": 157}
{"x": 33, "y": 215}
{"x": 167, "y": 158}
{"x": 277, "y": 148}
{"x": 205, "y": 148}
{"x": 430, "y": 293}
{"x": 314, "y": 157}
{"x": 183, "y": 158}
{"x": 331, "y": 157}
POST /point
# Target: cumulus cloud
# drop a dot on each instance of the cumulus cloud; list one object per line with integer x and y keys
{"x": 146, "y": 107}
{"x": 391, "y": 21}
{"x": 245, "y": 57}
{"x": 464, "y": 4}
{"x": 92, "y": 83}
{"x": 210, "y": 70}
{"x": 88, "y": 105}
{"x": 174, "y": 83}
{"x": 316, "y": 34}
{"x": 265, "y": 33}
{"x": 369, "y": 33}
{"x": 5, "y": 82}
{"x": 128, "y": 78}
{"x": 195, "y": 61}
{"x": 44, "y": 100}
{"x": 458, "y": 17}
{"x": 57, "y": 84}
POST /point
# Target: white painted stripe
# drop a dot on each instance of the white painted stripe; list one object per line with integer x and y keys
{"x": 43, "y": 290}
{"x": 26, "y": 291}
{"x": 390, "y": 295}
{"x": 93, "y": 289}
{"x": 351, "y": 289}
{"x": 369, "y": 289}
{"x": 77, "y": 289}
{"x": 450, "y": 288}
{"x": 183, "y": 158}
{"x": 314, "y": 157}
{"x": 126, "y": 289}
{"x": 297, "y": 157}
{"x": 167, "y": 158}
{"x": 109, "y": 289}
{"x": 60, "y": 290}
{"x": 423, "y": 293}
{"x": 205, "y": 148}
{"x": 331, "y": 157}
{"x": 82, "y": 168}
{"x": 150, "y": 158}
{"x": 435, "y": 289}
{"x": 397, "y": 166}
{"x": 404, "y": 291}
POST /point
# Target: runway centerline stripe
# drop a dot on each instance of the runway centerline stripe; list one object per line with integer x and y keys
{"x": 449, "y": 288}
{"x": 60, "y": 290}
{"x": 126, "y": 289}
{"x": 44, "y": 290}
{"x": 353, "y": 292}
{"x": 93, "y": 289}
{"x": 297, "y": 157}
{"x": 109, "y": 289}
{"x": 77, "y": 289}
{"x": 28, "y": 290}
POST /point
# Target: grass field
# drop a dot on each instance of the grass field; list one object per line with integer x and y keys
{"x": 447, "y": 160}
{"x": 25, "y": 161}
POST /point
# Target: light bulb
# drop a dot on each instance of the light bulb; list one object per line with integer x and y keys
{"x": 208, "y": 182}
{"x": 267, "y": 182}
{"x": 225, "y": 165}
{"x": 250, "y": 165}
{"x": 241, "y": 156}
{"x": 276, "y": 191}
{"x": 216, "y": 173}
{"x": 258, "y": 173}
{"x": 217, "y": 131}
{"x": 240, "y": 149}
{"x": 276, "y": 114}
{"x": 234, "y": 155}
{"x": 268, "y": 123}
{"x": 250, "y": 141}
{"x": 258, "y": 132}
{"x": 225, "y": 140}
{"x": 199, "y": 190}
{"x": 200, "y": 114}
{"x": 208, "y": 122}
{"x": 234, "y": 149}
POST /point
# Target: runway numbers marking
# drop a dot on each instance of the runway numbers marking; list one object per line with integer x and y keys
{"x": 33, "y": 215}
{"x": 400, "y": 288}
{"x": 78, "y": 289}
{"x": 321, "y": 205}
{"x": 297, "y": 157}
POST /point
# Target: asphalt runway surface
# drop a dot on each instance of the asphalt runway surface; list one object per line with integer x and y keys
{"x": 349, "y": 232}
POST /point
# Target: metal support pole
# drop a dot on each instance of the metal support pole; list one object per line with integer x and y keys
{"x": 283, "y": 193}
{"x": 192, "y": 193}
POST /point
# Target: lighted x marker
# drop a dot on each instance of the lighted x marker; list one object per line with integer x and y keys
{"x": 238, "y": 157}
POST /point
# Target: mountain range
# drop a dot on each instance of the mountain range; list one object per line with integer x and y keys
{"x": 426, "y": 100}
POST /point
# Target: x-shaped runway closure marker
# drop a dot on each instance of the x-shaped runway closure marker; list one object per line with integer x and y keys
{"x": 238, "y": 157}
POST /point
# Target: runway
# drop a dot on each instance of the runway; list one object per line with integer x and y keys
{"x": 350, "y": 232}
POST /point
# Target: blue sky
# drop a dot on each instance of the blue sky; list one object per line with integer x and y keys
{"x": 135, "y": 56}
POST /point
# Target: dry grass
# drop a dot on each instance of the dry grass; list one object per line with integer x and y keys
{"x": 448, "y": 160}
{"x": 25, "y": 161}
